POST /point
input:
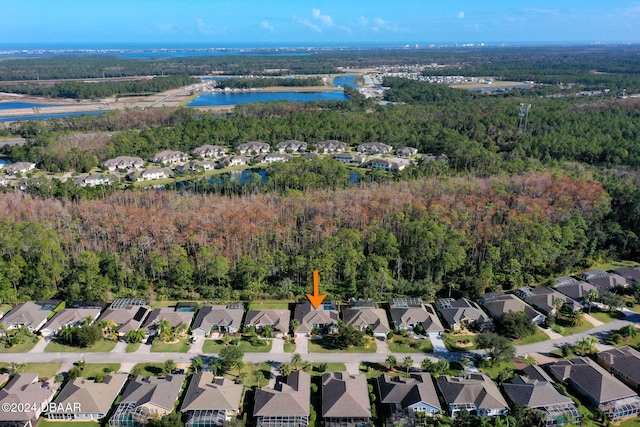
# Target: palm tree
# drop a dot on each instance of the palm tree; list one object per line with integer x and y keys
{"x": 391, "y": 362}
{"x": 196, "y": 364}
{"x": 628, "y": 332}
{"x": 215, "y": 365}
{"x": 14, "y": 367}
{"x": 285, "y": 369}
{"x": 586, "y": 345}
{"x": 296, "y": 359}
{"x": 592, "y": 296}
{"x": 164, "y": 330}
{"x": 170, "y": 366}
{"x": 135, "y": 336}
{"x": 67, "y": 334}
{"x": 407, "y": 362}
{"x": 575, "y": 317}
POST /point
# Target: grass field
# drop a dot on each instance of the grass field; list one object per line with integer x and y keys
{"x": 158, "y": 346}
{"x": 148, "y": 369}
{"x": 493, "y": 371}
{"x": 92, "y": 369}
{"x": 132, "y": 347}
{"x": 538, "y": 336}
{"x": 399, "y": 344}
{"x": 270, "y": 305}
{"x": 44, "y": 370}
{"x": 289, "y": 347}
{"x": 606, "y": 317}
{"x": 325, "y": 345}
{"x": 103, "y": 346}
{"x": 451, "y": 341}
{"x": 215, "y": 346}
{"x": 20, "y": 348}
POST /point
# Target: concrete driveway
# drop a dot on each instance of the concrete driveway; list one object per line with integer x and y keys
{"x": 438, "y": 343}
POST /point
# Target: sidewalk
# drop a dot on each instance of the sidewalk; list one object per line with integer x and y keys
{"x": 42, "y": 343}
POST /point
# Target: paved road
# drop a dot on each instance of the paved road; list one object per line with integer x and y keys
{"x": 142, "y": 355}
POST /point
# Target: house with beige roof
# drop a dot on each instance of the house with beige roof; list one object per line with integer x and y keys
{"x": 287, "y": 404}
{"x": 147, "y": 398}
{"x": 123, "y": 162}
{"x": 577, "y": 290}
{"x": 498, "y": 304}
{"x": 475, "y": 392}
{"x": 254, "y": 147}
{"x": 291, "y": 146}
{"x": 366, "y": 315}
{"x": 390, "y": 164}
{"x": 211, "y": 401}
{"x": 601, "y": 388}
{"x": 167, "y": 157}
{"x": 330, "y": 146}
{"x": 84, "y": 400}
{"x": 374, "y": 148}
{"x": 624, "y": 363}
{"x": 326, "y": 316}
{"x": 407, "y": 400}
{"x": 277, "y": 319}
{"x": 173, "y": 315}
{"x": 406, "y": 152}
{"x": 127, "y": 313}
{"x": 272, "y": 158}
{"x": 20, "y": 167}
{"x": 233, "y": 161}
{"x": 151, "y": 174}
{"x": 463, "y": 313}
{"x": 349, "y": 158}
{"x": 194, "y": 165}
{"x": 407, "y": 313}
{"x": 345, "y": 400}
{"x": 222, "y": 318}
{"x": 536, "y": 390}
{"x": 25, "y": 392}
{"x": 94, "y": 180}
{"x": 544, "y": 299}
{"x": 209, "y": 151}
{"x": 31, "y": 315}
{"x": 69, "y": 317}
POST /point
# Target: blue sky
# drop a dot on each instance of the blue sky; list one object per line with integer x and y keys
{"x": 220, "y": 22}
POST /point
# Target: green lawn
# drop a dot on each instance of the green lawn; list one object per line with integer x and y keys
{"x": 331, "y": 367}
{"x": 44, "y": 370}
{"x": 270, "y": 305}
{"x": 215, "y": 346}
{"x": 248, "y": 376}
{"x": 289, "y": 347}
{"x": 325, "y": 345}
{"x": 538, "y": 336}
{"x": 493, "y": 371}
{"x": 158, "y": 346}
{"x": 148, "y": 369}
{"x": 451, "y": 341}
{"x": 5, "y": 308}
{"x": 103, "y": 346}
{"x": 606, "y": 317}
{"x": 399, "y": 344}
{"x": 613, "y": 265}
{"x": 576, "y": 329}
{"x": 132, "y": 347}
{"x": 92, "y": 369}
{"x": 25, "y": 347}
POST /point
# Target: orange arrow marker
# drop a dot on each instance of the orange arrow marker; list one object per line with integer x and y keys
{"x": 316, "y": 299}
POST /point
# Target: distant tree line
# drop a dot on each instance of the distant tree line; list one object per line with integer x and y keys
{"x": 247, "y": 83}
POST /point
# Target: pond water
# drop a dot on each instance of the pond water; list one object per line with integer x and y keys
{"x": 51, "y": 116}
{"x": 235, "y": 98}
{"x": 346, "y": 81}
{"x": 10, "y": 105}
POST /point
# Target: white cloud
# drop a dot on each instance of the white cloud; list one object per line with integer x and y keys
{"x": 203, "y": 27}
{"x": 307, "y": 23}
{"x": 266, "y": 25}
{"x": 461, "y": 14}
{"x": 363, "y": 21}
{"x": 325, "y": 20}
{"x": 380, "y": 21}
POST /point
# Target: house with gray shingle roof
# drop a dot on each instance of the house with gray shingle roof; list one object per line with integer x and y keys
{"x": 600, "y": 387}
{"x": 460, "y": 312}
{"x": 129, "y": 315}
{"x": 31, "y": 315}
{"x": 287, "y": 404}
{"x": 83, "y": 399}
{"x": 291, "y": 146}
{"x": 325, "y": 316}
{"x": 544, "y": 299}
{"x": 406, "y": 399}
{"x": 632, "y": 274}
{"x": 624, "y": 363}
{"x": 254, "y": 147}
{"x": 407, "y": 313}
{"x": 169, "y": 156}
{"x": 20, "y": 167}
{"x": 406, "y": 152}
{"x": 498, "y": 304}
{"x": 476, "y": 393}
{"x": 145, "y": 398}
{"x": 366, "y": 315}
{"x": 173, "y": 315}
{"x": 123, "y": 162}
{"x": 374, "y": 148}
{"x": 609, "y": 282}
{"x": 69, "y": 317}
{"x": 574, "y": 289}
{"x": 277, "y": 319}
{"x": 535, "y": 389}
{"x": 94, "y": 180}
{"x": 272, "y": 158}
{"x": 219, "y": 317}
{"x": 211, "y": 401}
{"x": 345, "y": 400}
{"x": 24, "y": 391}
{"x": 233, "y": 161}
{"x": 209, "y": 151}
{"x": 349, "y": 158}
{"x": 330, "y": 146}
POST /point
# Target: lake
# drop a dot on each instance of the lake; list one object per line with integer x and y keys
{"x": 14, "y": 104}
{"x": 51, "y": 116}
{"x": 234, "y": 98}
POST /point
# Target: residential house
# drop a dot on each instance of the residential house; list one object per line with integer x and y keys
{"x": 287, "y": 404}
{"x": 128, "y": 314}
{"x": 545, "y": 299}
{"x": 217, "y": 317}
{"x": 326, "y": 316}
{"x": 271, "y": 158}
{"x": 277, "y": 319}
{"x": 431, "y": 157}
{"x": 349, "y": 158}
{"x": 209, "y": 151}
{"x": 330, "y": 146}
{"x": 391, "y": 164}
{"x": 28, "y": 396}
{"x": 233, "y": 161}
{"x": 84, "y": 400}
{"x": 405, "y": 400}
{"x": 167, "y": 157}
{"x": 476, "y": 393}
{"x": 195, "y": 165}
{"x": 374, "y": 148}
{"x": 151, "y": 174}
{"x": 498, "y": 304}
{"x": 535, "y": 390}
{"x": 31, "y": 315}
{"x": 463, "y": 313}
{"x": 123, "y": 162}
{"x": 406, "y": 152}
{"x": 254, "y": 147}
{"x": 345, "y": 400}
{"x": 147, "y": 398}
{"x": 575, "y": 289}
{"x": 69, "y": 317}
{"x": 211, "y": 401}
{"x": 175, "y": 316}
{"x": 407, "y": 313}
{"x": 631, "y": 274}
{"x": 19, "y": 167}
{"x": 624, "y": 363}
{"x": 291, "y": 146}
{"x": 603, "y": 281}
{"x": 93, "y": 180}
{"x": 601, "y": 388}
{"x": 366, "y": 315}
{"x": 308, "y": 156}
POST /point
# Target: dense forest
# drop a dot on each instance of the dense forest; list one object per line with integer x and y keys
{"x": 508, "y": 208}
{"x": 247, "y": 83}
